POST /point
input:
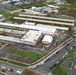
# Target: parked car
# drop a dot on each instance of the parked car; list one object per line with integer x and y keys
{"x": 3, "y": 69}
{"x": 19, "y": 71}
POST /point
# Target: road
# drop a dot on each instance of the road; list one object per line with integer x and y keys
{"x": 10, "y": 66}
{"x": 45, "y": 68}
{"x": 70, "y": 71}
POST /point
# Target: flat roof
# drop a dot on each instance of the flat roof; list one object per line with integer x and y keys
{"x": 45, "y": 21}
{"x": 48, "y": 18}
{"x": 30, "y": 13}
{"x": 28, "y": 23}
{"x": 9, "y": 39}
{"x": 31, "y": 36}
{"x": 50, "y": 30}
{"x": 12, "y": 31}
{"x": 1, "y": 15}
{"x": 57, "y": 27}
{"x": 47, "y": 38}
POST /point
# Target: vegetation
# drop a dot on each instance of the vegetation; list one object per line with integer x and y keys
{"x": 71, "y": 1}
{"x": 13, "y": 62}
{"x": 7, "y": 15}
{"x": 12, "y": 9}
{"x": 58, "y": 70}
{"x": 52, "y": 3}
{"x": 2, "y": 44}
{"x": 29, "y": 72}
{"x": 69, "y": 10}
{"x": 25, "y": 54}
{"x": 70, "y": 31}
{"x": 37, "y": 4}
{"x": 70, "y": 65}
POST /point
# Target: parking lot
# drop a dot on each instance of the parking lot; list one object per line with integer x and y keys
{"x": 10, "y": 69}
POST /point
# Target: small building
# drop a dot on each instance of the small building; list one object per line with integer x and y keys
{"x": 31, "y": 37}
{"x": 47, "y": 39}
{"x": 28, "y": 23}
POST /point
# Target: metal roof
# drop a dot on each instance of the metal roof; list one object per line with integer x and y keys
{"x": 50, "y": 30}
{"x": 48, "y": 18}
{"x": 47, "y": 38}
{"x": 12, "y": 31}
{"x": 9, "y": 39}
{"x": 31, "y": 37}
{"x": 44, "y": 21}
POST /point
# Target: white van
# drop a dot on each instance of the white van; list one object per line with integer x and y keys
{"x": 19, "y": 71}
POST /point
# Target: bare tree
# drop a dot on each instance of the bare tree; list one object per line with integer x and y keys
{"x": 29, "y": 72}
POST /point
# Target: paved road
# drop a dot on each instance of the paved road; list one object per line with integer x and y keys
{"x": 57, "y": 57}
{"x": 70, "y": 71}
{"x": 9, "y": 66}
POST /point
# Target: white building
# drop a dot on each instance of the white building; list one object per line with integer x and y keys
{"x": 31, "y": 38}
{"x": 28, "y": 23}
{"x": 1, "y": 18}
{"x": 47, "y": 39}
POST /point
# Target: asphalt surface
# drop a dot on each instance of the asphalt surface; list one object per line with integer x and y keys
{"x": 45, "y": 68}
{"x": 9, "y": 66}
{"x": 72, "y": 70}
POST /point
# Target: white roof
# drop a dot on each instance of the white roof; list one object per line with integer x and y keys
{"x": 28, "y": 23}
{"x": 50, "y": 30}
{"x": 11, "y": 39}
{"x": 44, "y": 21}
{"x": 53, "y": 6}
{"x": 12, "y": 31}
{"x": 57, "y": 27}
{"x": 33, "y": 7}
{"x": 31, "y": 36}
{"x": 1, "y": 15}
{"x": 48, "y": 18}
{"x": 47, "y": 38}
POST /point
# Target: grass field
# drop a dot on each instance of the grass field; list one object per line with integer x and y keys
{"x": 37, "y": 4}
{"x": 2, "y": 44}
{"x": 70, "y": 65}
{"x": 58, "y": 70}
{"x": 25, "y": 54}
{"x": 13, "y": 62}
{"x": 7, "y": 15}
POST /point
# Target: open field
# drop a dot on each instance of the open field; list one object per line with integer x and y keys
{"x": 25, "y": 54}
{"x": 2, "y": 44}
{"x": 13, "y": 62}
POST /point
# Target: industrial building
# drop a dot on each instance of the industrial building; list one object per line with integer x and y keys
{"x": 31, "y": 38}
{"x": 47, "y": 39}
{"x": 32, "y": 31}
{"x": 33, "y": 35}
{"x": 44, "y": 21}
{"x": 45, "y": 30}
{"x": 47, "y": 18}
